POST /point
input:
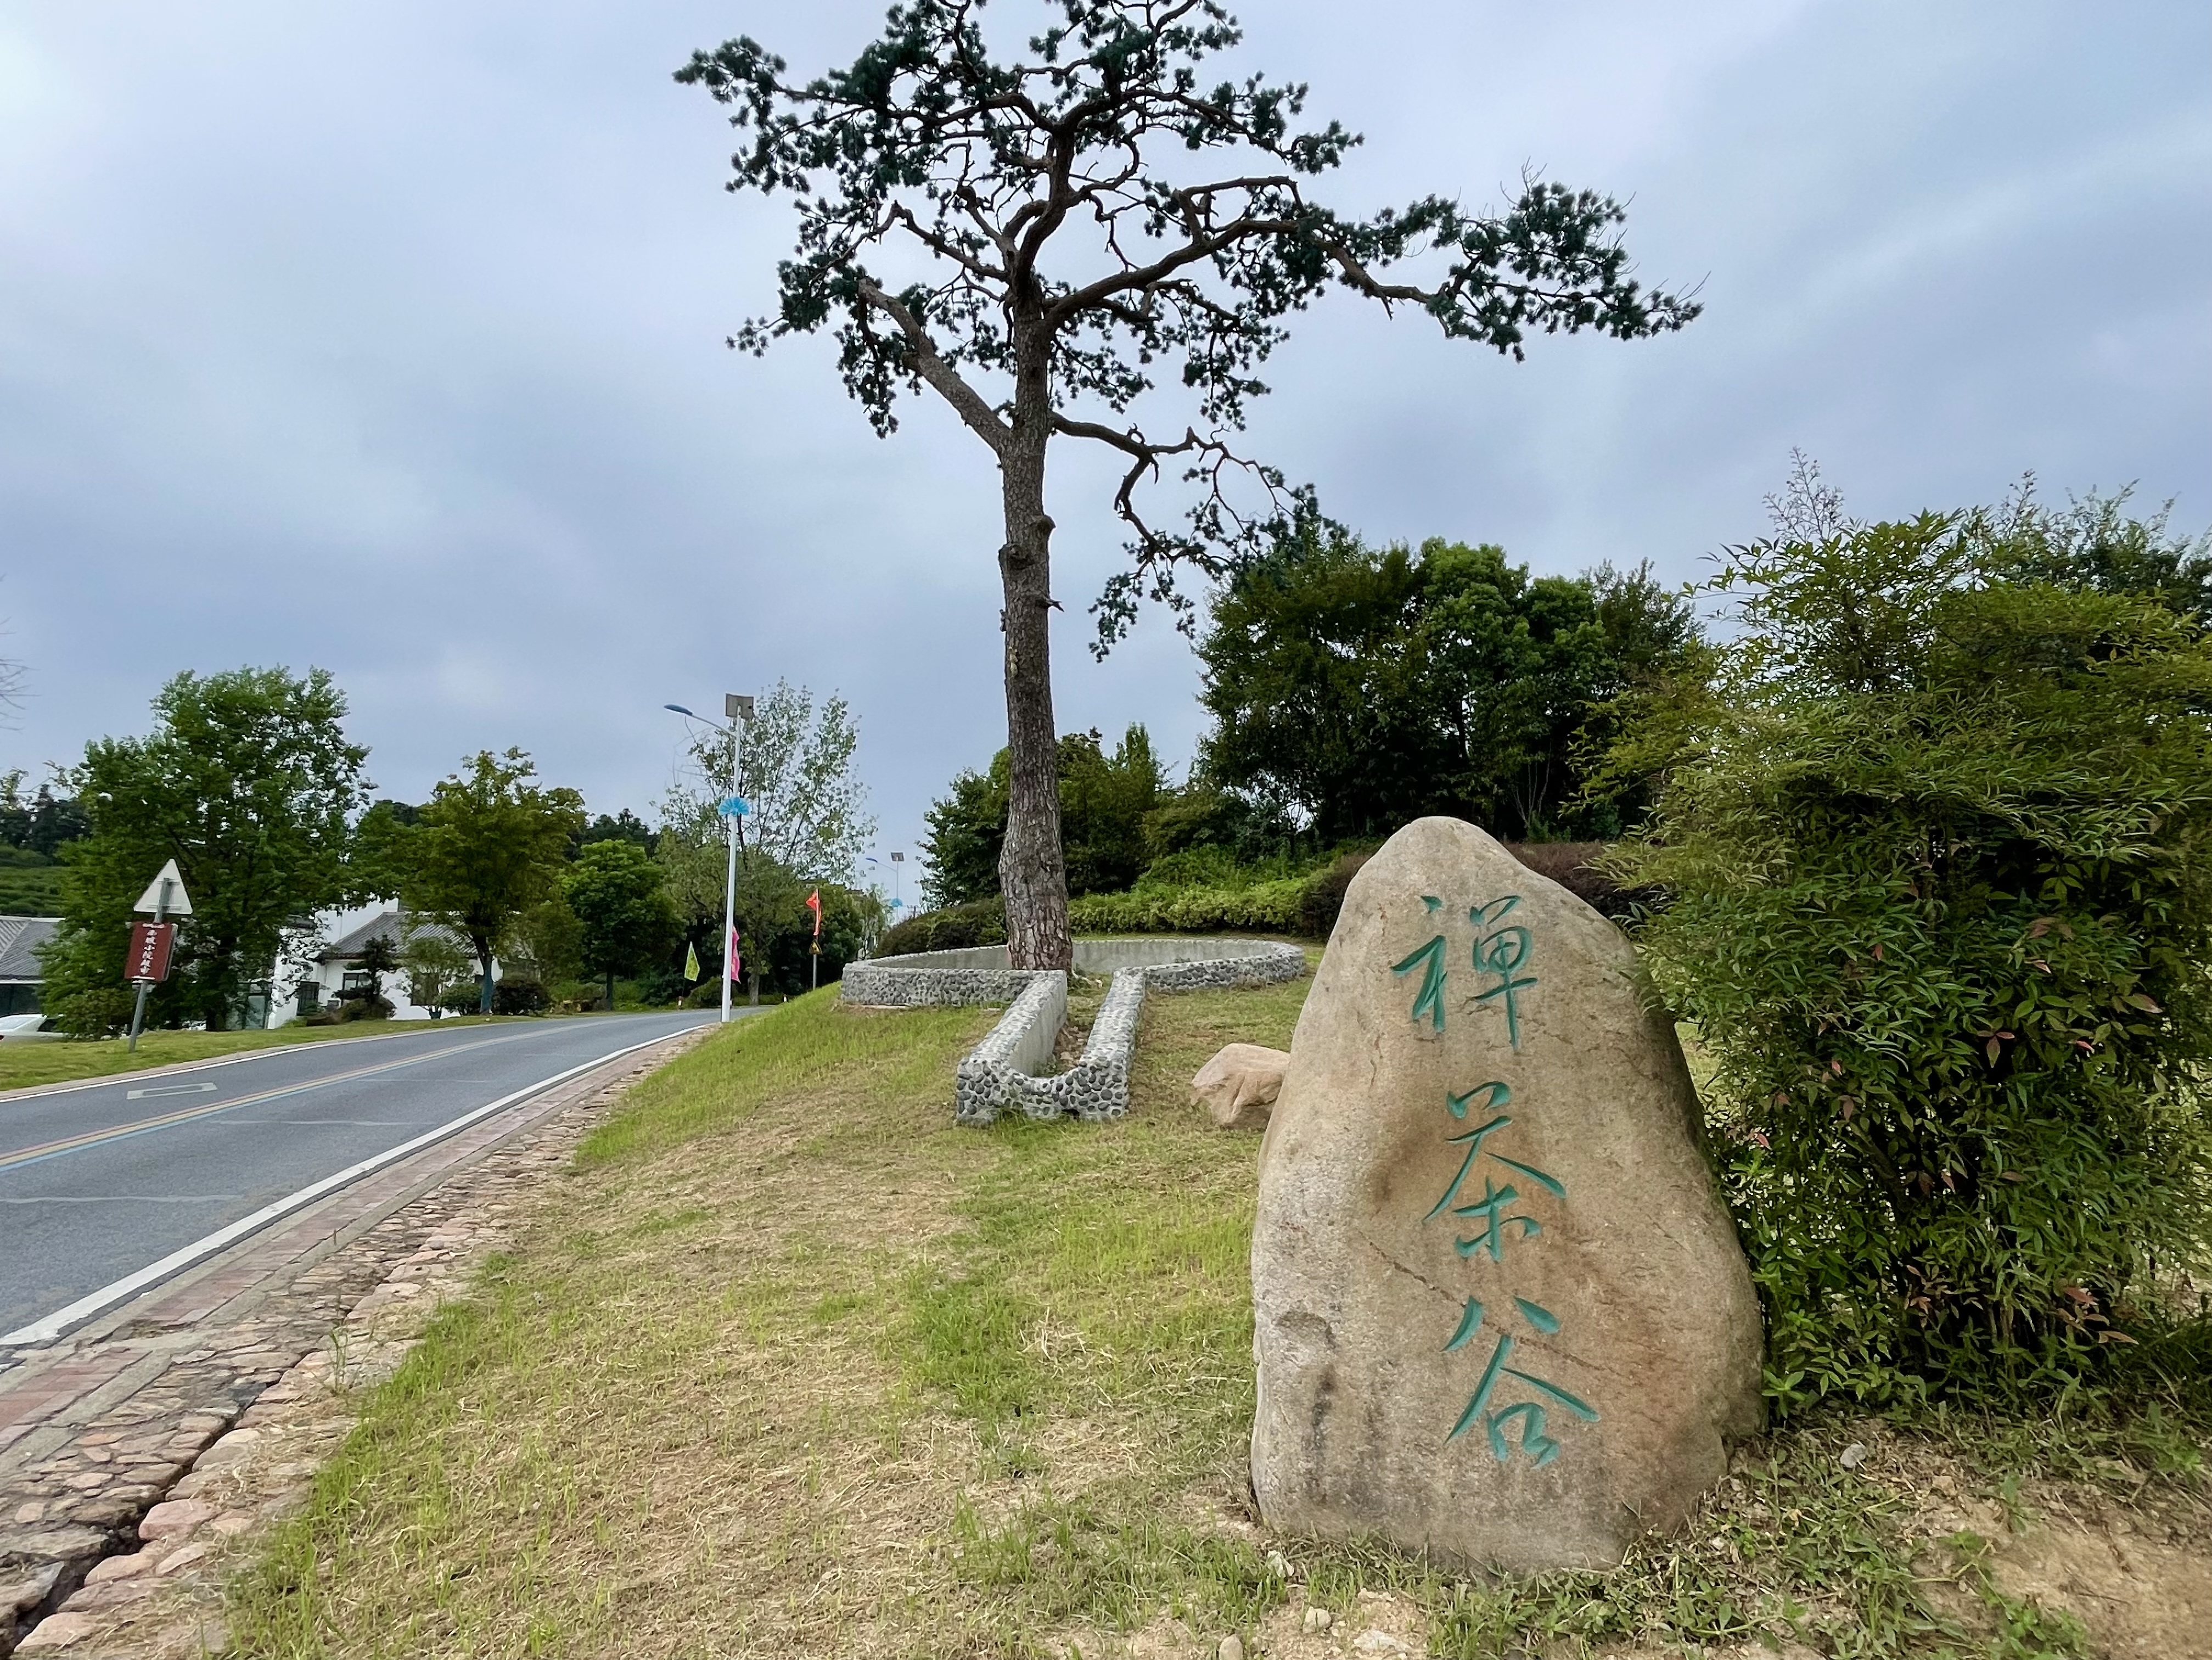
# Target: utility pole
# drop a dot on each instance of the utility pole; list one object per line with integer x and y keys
{"x": 733, "y": 807}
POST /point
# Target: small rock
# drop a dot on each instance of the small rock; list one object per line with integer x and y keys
{"x": 1232, "y": 1648}
{"x": 120, "y": 1567}
{"x": 178, "y": 1516}
{"x": 30, "y": 1511}
{"x": 226, "y": 1527}
{"x": 1279, "y": 1564}
{"x": 178, "y": 1561}
{"x": 1375, "y": 1640}
{"x": 1239, "y": 1085}
{"x": 1853, "y": 1456}
{"x": 115, "y": 1594}
{"x": 55, "y": 1633}
{"x": 1318, "y": 1620}
{"x": 27, "y": 1591}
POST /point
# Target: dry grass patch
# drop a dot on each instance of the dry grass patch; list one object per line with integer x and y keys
{"x": 790, "y": 1365}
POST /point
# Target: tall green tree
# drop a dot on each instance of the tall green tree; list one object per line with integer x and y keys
{"x": 490, "y": 843}
{"x": 1107, "y": 802}
{"x": 433, "y": 963}
{"x": 616, "y": 891}
{"x": 382, "y": 839}
{"x": 1364, "y": 687}
{"x": 1090, "y": 216}
{"x": 1933, "y": 841}
{"x": 809, "y": 822}
{"x": 249, "y": 782}
{"x": 797, "y": 771}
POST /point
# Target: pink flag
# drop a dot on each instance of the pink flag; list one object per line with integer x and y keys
{"x": 737, "y": 963}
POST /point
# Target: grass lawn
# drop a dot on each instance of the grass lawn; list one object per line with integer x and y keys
{"x": 63, "y": 1061}
{"x": 789, "y": 1365}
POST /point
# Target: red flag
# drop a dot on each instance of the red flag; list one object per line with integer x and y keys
{"x": 814, "y": 904}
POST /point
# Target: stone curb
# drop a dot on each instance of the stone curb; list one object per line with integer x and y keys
{"x": 1005, "y": 1072}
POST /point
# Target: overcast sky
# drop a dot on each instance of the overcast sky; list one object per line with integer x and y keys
{"x": 388, "y": 338}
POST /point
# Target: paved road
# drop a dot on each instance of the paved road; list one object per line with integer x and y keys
{"x": 98, "y": 1181}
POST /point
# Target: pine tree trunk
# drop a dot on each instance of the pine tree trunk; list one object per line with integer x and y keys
{"x": 1032, "y": 872}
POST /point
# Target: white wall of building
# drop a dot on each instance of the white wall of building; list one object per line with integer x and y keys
{"x": 330, "y": 977}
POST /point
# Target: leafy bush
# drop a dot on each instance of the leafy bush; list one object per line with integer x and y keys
{"x": 955, "y": 927}
{"x": 1576, "y": 866}
{"x": 1321, "y": 899}
{"x": 93, "y": 1012}
{"x": 1205, "y": 889}
{"x": 1219, "y": 867}
{"x": 348, "y": 1006}
{"x": 577, "y": 996}
{"x": 1271, "y": 907}
{"x": 1936, "y": 848}
{"x": 662, "y": 985}
{"x": 514, "y": 996}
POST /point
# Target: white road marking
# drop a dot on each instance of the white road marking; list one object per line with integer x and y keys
{"x": 53, "y": 1325}
{"x": 170, "y": 1089}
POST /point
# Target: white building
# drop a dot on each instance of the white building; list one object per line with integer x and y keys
{"x": 336, "y": 966}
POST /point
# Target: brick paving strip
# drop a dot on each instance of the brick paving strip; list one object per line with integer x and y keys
{"x": 138, "y": 1455}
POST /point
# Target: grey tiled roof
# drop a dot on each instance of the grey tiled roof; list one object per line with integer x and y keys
{"x": 395, "y": 926}
{"x": 20, "y": 938}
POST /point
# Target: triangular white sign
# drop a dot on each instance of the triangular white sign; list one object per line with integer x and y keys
{"x": 180, "y": 905}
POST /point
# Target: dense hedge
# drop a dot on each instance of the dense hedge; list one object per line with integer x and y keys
{"x": 954, "y": 927}
{"x": 1271, "y": 907}
{"x": 1305, "y": 906}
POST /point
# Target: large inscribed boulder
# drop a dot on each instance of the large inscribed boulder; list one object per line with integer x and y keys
{"x": 1501, "y": 1315}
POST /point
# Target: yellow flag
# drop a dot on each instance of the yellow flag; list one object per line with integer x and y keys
{"x": 691, "y": 963}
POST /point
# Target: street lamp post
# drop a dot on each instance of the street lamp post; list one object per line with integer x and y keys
{"x": 738, "y": 708}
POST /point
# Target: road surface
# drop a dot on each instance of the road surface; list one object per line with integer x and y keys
{"x": 99, "y": 1181}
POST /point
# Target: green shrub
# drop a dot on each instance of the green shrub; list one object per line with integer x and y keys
{"x": 1322, "y": 898}
{"x": 1935, "y": 845}
{"x": 1206, "y": 890}
{"x": 955, "y": 927}
{"x": 93, "y": 1012}
{"x": 518, "y": 996}
{"x": 1270, "y": 907}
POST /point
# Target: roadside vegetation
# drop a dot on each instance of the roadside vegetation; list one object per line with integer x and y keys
{"x": 249, "y": 781}
{"x": 789, "y": 1364}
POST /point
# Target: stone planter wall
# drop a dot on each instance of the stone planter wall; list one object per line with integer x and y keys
{"x": 1010, "y": 1070}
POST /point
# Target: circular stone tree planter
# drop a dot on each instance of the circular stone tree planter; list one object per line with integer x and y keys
{"x": 1009, "y": 1070}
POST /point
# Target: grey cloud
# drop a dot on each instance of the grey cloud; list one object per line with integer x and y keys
{"x": 388, "y": 338}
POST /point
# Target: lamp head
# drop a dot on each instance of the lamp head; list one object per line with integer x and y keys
{"x": 679, "y": 709}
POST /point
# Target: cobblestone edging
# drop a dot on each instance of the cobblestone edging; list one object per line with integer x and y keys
{"x": 1005, "y": 1072}
{"x": 883, "y": 988}
{"x": 138, "y": 1461}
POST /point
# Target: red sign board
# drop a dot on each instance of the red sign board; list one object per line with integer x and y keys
{"x": 150, "y": 944}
